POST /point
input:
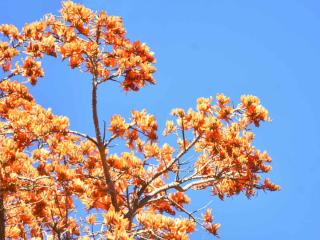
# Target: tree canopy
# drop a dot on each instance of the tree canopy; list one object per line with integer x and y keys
{"x": 49, "y": 172}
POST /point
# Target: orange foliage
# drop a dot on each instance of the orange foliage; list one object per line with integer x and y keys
{"x": 45, "y": 167}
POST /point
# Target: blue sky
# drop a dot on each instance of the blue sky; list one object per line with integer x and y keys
{"x": 267, "y": 48}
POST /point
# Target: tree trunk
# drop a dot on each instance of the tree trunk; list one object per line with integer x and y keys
{"x": 2, "y": 220}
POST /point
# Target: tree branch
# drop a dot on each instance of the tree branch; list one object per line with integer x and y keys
{"x": 84, "y": 136}
{"x": 170, "y": 164}
{"x": 101, "y": 146}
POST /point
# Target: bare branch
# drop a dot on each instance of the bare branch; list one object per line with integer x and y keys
{"x": 84, "y": 136}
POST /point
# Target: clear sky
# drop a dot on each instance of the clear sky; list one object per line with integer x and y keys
{"x": 267, "y": 48}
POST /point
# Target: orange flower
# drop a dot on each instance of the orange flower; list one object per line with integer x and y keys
{"x": 91, "y": 219}
{"x": 118, "y": 125}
